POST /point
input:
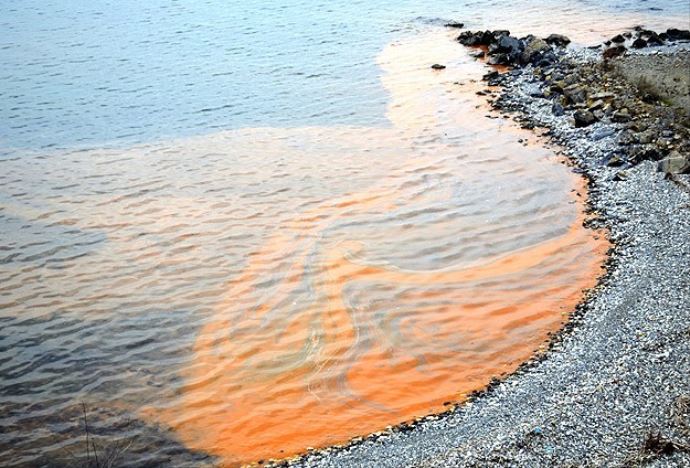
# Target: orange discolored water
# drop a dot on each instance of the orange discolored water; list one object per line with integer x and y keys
{"x": 373, "y": 306}
{"x": 257, "y": 290}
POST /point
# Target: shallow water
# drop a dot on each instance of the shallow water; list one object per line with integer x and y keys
{"x": 358, "y": 245}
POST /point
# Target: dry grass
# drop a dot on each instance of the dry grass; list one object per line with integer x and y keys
{"x": 96, "y": 454}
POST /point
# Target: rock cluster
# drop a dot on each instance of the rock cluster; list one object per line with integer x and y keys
{"x": 646, "y": 127}
{"x": 504, "y": 49}
{"x": 641, "y": 38}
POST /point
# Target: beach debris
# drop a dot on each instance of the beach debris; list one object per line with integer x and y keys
{"x": 438, "y": 66}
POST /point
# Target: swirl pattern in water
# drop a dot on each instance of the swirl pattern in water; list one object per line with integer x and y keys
{"x": 373, "y": 306}
{"x": 262, "y": 290}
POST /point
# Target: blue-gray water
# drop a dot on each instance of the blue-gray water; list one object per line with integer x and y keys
{"x": 80, "y": 73}
{"x": 155, "y": 155}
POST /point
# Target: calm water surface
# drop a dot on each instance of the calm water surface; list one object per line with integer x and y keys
{"x": 237, "y": 231}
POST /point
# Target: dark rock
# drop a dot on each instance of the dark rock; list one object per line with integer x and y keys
{"x": 618, "y": 39}
{"x": 490, "y": 76}
{"x": 664, "y": 141}
{"x": 615, "y": 161}
{"x": 571, "y": 79}
{"x": 499, "y": 59}
{"x": 504, "y": 49}
{"x": 506, "y": 44}
{"x": 645, "y": 137}
{"x": 477, "y": 54}
{"x": 495, "y": 81}
{"x": 534, "y": 48}
{"x": 678, "y": 34}
{"x": 654, "y": 39}
{"x": 547, "y": 59}
{"x": 615, "y": 51}
{"x": 583, "y": 118}
{"x": 557, "y": 109}
{"x": 621, "y": 116}
{"x": 481, "y": 38}
{"x": 437, "y": 66}
{"x": 644, "y": 153}
{"x": 557, "y": 87}
{"x": 558, "y": 40}
{"x": 627, "y": 138}
{"x": 455, "y": 24}
{"x": 639, "y": 43}
{"x": 471, "y": 38}
{"x": 621, "y": 175}
{"x": 649, "y": 98}
{"x": 575, "y": 94}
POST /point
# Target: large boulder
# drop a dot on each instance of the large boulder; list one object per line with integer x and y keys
{"x": 505, "y": 50}
{"x": 471, "y": 38}
{"x": 678, "y": 34}
{"x": 481, "y": 38}
{"x": 477, "y": 38}
{"x": 506, "y": 44}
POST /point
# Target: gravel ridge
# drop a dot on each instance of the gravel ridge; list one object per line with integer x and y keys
{"x": 614, "y": 387}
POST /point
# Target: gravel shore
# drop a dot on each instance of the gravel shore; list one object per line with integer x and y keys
{"x": 614, "y": 387}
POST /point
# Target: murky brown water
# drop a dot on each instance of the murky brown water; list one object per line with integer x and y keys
{"x": 261, "y": 290}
